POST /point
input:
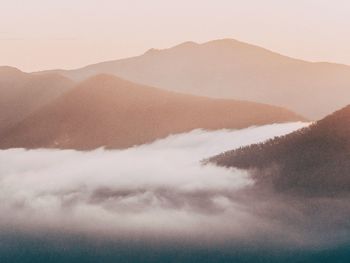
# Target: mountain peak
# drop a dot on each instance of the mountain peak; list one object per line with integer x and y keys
{"x": 187, "y": 44}
{"x": 184, "y": 45}
{"x": 216, "y": 42}
{"x": 10, "y": 70}
{"x": 151, "y": 51}
{"x": 225, "y": 41}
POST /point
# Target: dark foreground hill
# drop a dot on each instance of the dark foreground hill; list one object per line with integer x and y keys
{"x": 108, "y": 111}
{"x": 232, "y": 69}
{"x": 22, "y": 93}
{"x": 313, "y": 160}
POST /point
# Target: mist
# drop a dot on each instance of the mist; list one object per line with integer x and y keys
{"x": 160, "y": 192}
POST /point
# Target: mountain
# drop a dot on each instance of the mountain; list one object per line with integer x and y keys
{"x": 22, "y": 93}
{"x": 231, "y": 69}
{"x": 107, "y": 111}
{"x": 314, "y": 160}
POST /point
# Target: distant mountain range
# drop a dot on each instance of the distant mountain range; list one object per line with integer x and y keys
{"x": 311, "y": 161}
{"x": 106, "y": 111}
{"x": 232, "y": 69}
{"x": 21, "y": 93}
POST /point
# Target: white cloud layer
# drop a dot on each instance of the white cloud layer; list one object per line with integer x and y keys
{"x": 159, "y": 190}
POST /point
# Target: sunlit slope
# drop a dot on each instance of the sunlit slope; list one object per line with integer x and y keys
{"x": 108, "y": 111}
{"x": 232, "y": 69}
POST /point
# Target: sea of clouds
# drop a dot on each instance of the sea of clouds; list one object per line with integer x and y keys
{"x": 159, "y": 191}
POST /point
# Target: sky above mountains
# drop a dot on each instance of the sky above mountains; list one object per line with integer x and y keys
{"x": 39, "y": 34}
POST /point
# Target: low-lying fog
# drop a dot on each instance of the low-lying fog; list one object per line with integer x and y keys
{"x": 161, "y": 192}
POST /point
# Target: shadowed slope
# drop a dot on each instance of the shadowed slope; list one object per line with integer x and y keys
{"x": 313, "y": 160}
{"x": 108, "y": 111}
{"x": 22, "y": 93}
{"x": 232, "y": 69}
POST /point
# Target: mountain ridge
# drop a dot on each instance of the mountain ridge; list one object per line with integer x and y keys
{"x": 23, "y": 93}
{"x": 312, "y": 161}
{"x": 236, "y": 70}
{"x": 106, "y": 111}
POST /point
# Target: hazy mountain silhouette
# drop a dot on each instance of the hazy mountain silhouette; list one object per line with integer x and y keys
{"x": 314, "y": 160}
{"x": 108, "y": 111}
{"x": 232, "y": 69}
{"x": 22, "y": 93}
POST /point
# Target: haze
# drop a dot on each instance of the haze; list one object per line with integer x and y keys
{"x": 38, "y": 34}
{"x": 167, "y": 195}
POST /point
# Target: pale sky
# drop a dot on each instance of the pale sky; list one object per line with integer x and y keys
{"x": 46, "y": 34}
